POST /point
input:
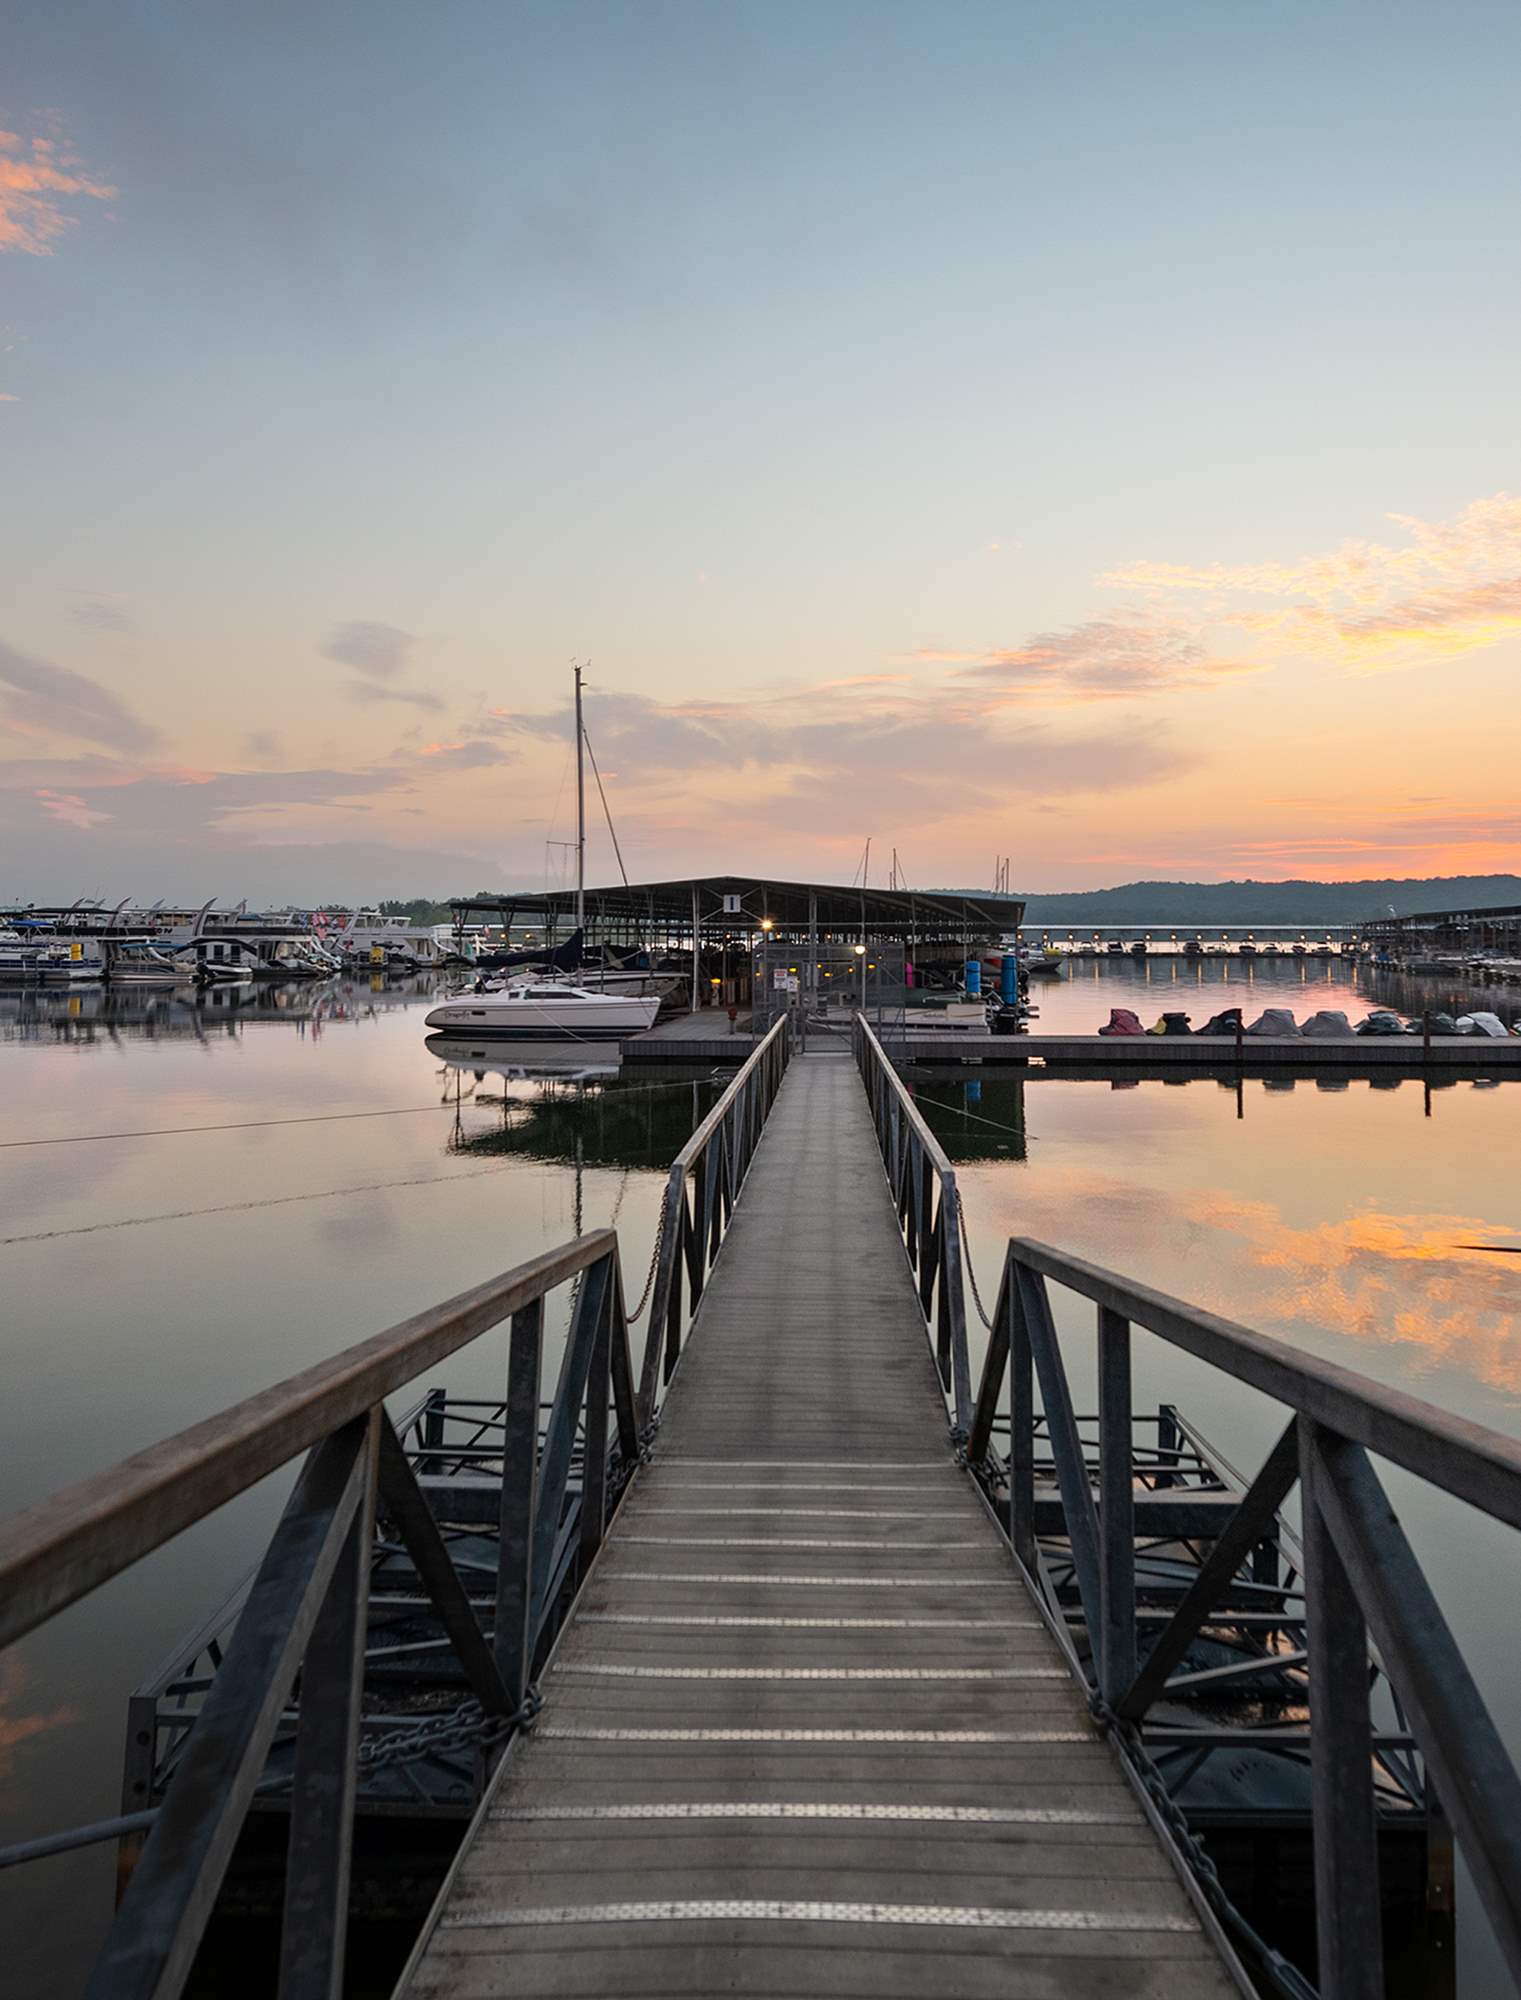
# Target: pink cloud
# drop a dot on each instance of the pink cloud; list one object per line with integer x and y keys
{"x": 1102, "y": 659}
{"x": 37, "y": 178}
{"x": 1450, "y": 587}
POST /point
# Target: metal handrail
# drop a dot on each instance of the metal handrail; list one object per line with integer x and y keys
{"x": 68, "y": 1545}
{"x": 917, "y": 1169}
{"x": 1361, "y": 1579}
{"x": 306, "y": 1609}
{"x": 716, "y": 1160}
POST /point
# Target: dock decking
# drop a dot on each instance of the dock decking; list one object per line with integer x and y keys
{"x": 805, "y": 1732}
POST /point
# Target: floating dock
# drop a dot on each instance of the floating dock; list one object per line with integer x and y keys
{"x": 697, "y": 1038}
{"x": 1170, "y": 1055}
{"x": 796, "y": 1675}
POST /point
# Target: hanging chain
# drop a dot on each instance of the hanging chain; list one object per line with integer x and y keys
{"x": 649, "y": 1276}
{"x": 1281, "y": 1973}
{"x": 467, "y": 1727}
{"x": 966, "y": 1258}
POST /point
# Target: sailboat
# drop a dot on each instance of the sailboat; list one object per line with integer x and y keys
{"x": 545, "y": 1004}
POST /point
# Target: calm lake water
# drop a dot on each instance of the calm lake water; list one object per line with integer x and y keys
{"x": 225, "y": 1195}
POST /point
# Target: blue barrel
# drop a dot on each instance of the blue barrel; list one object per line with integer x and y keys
{"x": 1009, "y": 985}
{"x": 974, "y": 976}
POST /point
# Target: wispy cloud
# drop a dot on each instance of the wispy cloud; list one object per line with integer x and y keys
{"x": 1102, "y": 659}
{"x": 39, "y": 178}
{"x": 473, "y": 756}
{"x": 381, "y": 651}
{"x": 102, "y": 614}
{"x": 369, "y": 695}
{"x": 1448, "y": 587}
{"x": 844, "y": 747}
{"x": 57, "y": 701}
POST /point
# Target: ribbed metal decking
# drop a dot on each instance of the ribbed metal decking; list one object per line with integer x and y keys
{"x": 805, "y": 1733}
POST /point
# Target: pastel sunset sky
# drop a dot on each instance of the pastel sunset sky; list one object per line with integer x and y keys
{"x": 1086, "y": 433}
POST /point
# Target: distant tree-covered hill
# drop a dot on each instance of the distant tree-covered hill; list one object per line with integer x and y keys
{"x": 1245, "y": 903}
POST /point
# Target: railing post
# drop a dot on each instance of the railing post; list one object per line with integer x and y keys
{"x": 1115, "y": 1653}
{"x": 1168, "y": 1440}
{"x": 594, "y": 1454}
{"x": 990, "y": 1388}
{"x": 137, "y": 1780}
{"x": 1341, "y": 1756}
{"x": 1066, "y": 1447}
{"x": 1021, "y": 1421}
{"x": 430, "y": 1428}
{"x": 679, "y": 1254}
{"x": 314, "y": 1926}
{"x": 520, "y": 1480}
{"x": 953, "y": 1302}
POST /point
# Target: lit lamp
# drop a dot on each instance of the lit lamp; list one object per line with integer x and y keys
{"x": 860, "y": 951}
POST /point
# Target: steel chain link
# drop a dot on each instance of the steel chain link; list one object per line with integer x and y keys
{"x": 966, "y": 1258}
{"x": 1281, "y": 1973}
{"x": 468, "y": 1726}
{"x": 649, "y": 1276}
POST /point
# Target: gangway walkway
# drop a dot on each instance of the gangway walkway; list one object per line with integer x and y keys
{"x": 805, "y": 1732}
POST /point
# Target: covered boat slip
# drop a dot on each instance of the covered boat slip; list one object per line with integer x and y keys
{"x": 806, "y": 1732}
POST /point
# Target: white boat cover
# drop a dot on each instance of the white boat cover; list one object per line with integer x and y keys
{"x": 1274, "y": 1021}
{"x": 1329, "y": 1025}
{"x": 1483, "y": 1023}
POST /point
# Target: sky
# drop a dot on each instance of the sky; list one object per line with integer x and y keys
{"x": 1086, "y": 434}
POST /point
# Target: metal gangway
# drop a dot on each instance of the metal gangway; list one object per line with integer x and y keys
{"x": 772, "y": 1690}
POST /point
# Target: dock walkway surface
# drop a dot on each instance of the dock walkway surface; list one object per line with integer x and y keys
{"x": 805, "y": 1732}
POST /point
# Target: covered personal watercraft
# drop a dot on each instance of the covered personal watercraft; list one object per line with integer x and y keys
{"x": 1382, "y": 1022}
{"x": 1170, "y": 1024}
{"x": 1482, "y": 1023}
{"x": 1122, "y": 1021}
{"x": 1226, "y": 1022}
{"x": 1274, "y": 1021}
{"x": 1329, "y": 1025}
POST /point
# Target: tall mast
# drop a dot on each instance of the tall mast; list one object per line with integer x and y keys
{"x": 580, "y": 810}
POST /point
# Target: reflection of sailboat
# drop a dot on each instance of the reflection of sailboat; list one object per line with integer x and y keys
{"x": 526, "y": 1061}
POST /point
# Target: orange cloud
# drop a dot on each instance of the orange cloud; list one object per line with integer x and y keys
{"x": 1102, "y": 659}
{"x": 1450, "y": 588}
{"x": 37, "y": 176}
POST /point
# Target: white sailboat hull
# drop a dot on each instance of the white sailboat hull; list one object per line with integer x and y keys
{"x": 586, "y": 1017}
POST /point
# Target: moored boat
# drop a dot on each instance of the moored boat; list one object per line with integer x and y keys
{"x": 546, "y": 1010}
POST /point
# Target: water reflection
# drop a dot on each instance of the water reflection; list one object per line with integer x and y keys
{"x": 16, "y": 1726}
{"x": 128, "y": 1013}
{"x": 1079, "y": 1001}
{"x": 1342, "y": 1216}
{"x": 571, "y": 1106}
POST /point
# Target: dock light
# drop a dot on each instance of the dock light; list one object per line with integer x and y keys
{"x": 715, "y": 982}
{"x": 860, "y": 951}
{"x": 768, "y": 923}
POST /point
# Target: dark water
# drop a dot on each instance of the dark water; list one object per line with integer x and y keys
{"x": 341, "y": 1179}
{"x": 349, "y": 1178}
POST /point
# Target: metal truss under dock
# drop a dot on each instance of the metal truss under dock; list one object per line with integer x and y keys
{"x": 806, "y": 1730}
